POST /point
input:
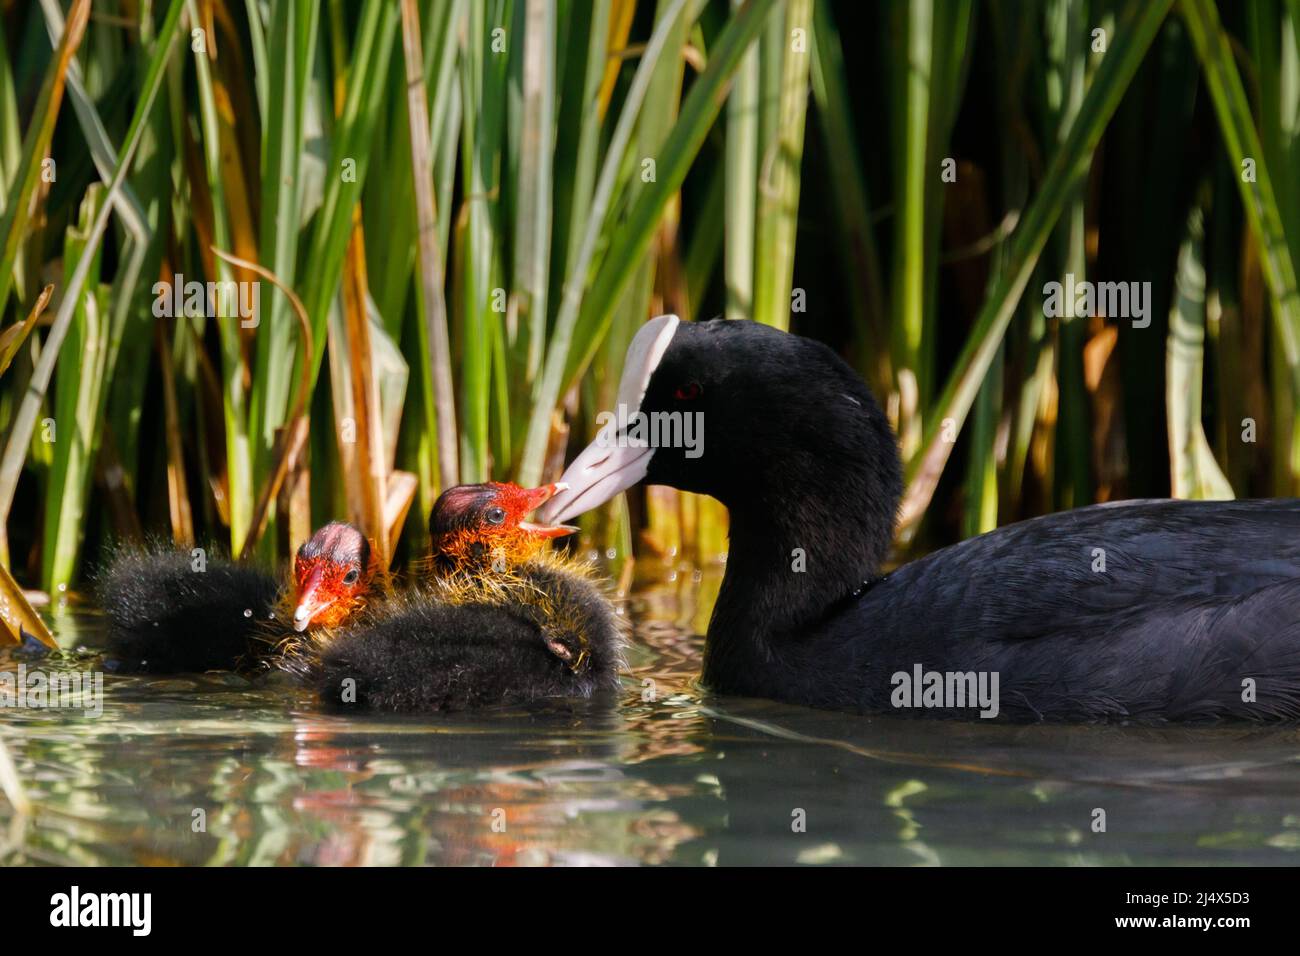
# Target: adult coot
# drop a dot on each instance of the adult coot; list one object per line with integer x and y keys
{"x": 1161, "y": 610}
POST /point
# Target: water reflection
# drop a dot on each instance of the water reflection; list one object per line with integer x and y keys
{"x": 214, "y": 769}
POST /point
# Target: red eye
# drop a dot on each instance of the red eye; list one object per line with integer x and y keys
{"x": 688, "y": 392}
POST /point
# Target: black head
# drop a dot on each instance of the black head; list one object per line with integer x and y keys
{"x": 337, "y": 541}
{"x": 761, "y": 419}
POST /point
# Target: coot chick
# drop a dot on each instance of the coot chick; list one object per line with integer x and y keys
{"x": 173, "y": 610}
{"x": 497, "y": 622}
{"x": 1143, "y": 610}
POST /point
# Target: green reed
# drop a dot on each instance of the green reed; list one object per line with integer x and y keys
{"x": 478, "y": 203}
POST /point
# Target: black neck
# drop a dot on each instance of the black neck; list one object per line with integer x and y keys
{"x": 813, "y": 532}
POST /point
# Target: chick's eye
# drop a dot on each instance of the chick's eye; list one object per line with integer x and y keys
{"x": 496, "y": 515}
{"x": 351, "y": 576}
{"x": 688, "y": 392}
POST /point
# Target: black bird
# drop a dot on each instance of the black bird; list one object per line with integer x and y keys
{"x": 498, "y": 622}
{"x": 1146, "y": 610}
{"x": 174, "y": 610}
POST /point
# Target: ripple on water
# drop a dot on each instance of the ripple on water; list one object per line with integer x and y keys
{"x": 219, "y": 769}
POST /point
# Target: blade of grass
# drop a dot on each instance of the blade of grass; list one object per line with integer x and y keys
{"x": 577, "y": 140}
{"x": 439, "y": 401}
{"x": 597, "y": 36}
{"x": 547, "y": 391}
{"x": 16, "y": 612}
{"x": 1067, "y": 63}
{"x": 1069, "y": 167}
{"x": 852, "y": 207}
{"x": 291, "y": 38}
{"x": 777, "y": 216}
{"x": 291, "y": 439}
{"x": 1004, "y": 416}
{"x": 234, "y": 393}
{"x": 1194, "y": 472}
{"x": 483, "y": 89}
{"x": 390, "y": 215}
{"x": 24, "y": 421}
{"x": 36, "y": 143}
{"x": 165, "y": 212}
{"x": 532, "y": 230}
{"x": 655, "y": 267}
{"x": 178, "y": 498}
{"x": 370, "y": 461}
{"x": 913, "y": 70}
{"x": 1229, "y": 346}
{"x": 929, "y": 70}
{"x": 630, "y": 240}
{"x": 12, "y": 338}
{"x": 348, "y": 165}
{"x": 11, "y": 134}
{"x": 1241, "y": 140}
{"x": 77, "y": 385}
{"x": 93, "y": 363}
{"x": 741, "y": 185}
{"x": 402, "y": 486}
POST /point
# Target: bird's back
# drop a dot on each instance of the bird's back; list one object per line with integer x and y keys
{"x": 1163, "y": 609}
{"x": 544, "y": 630}
{"x": 167, "y": 613}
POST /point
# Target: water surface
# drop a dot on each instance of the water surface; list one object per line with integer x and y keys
{"x": 665, "y": 773}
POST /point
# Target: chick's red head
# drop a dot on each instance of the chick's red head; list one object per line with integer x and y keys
{"x": 332, "y": 575}
{"x": 482, "y": 525}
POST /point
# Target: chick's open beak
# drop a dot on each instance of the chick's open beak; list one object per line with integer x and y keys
{"x": 535, "y": 498}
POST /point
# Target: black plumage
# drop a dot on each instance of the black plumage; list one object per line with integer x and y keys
{"x": 173, "y": 610}
{"x": 168, "y": 613}
{"x": 1194, "y": 617}
{"x": 544, "y": 630}
{"x": 1153, "y": 610}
